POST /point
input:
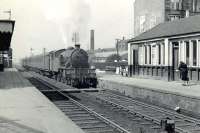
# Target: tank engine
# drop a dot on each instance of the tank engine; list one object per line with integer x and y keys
{"x": 69, "y": 66}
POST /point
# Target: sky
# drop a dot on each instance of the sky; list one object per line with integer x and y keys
{"x": 50, "y": 24}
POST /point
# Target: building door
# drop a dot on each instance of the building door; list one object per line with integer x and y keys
{"x": 135, "y": 61}
{"x": 175, "y": 62}
{"x": 1, "y": 61}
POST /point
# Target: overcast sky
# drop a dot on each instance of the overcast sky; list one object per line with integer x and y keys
{"x": 50, "y": 23}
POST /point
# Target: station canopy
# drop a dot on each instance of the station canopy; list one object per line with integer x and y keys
{"x": 6, "y": 31}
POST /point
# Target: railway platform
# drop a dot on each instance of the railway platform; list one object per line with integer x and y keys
{"x": 25, "y": 109}
{"x": 159, "y": 92}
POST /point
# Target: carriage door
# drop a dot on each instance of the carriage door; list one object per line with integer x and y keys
{"x": 135, "y": 61}
{"x": 175, "y": 61}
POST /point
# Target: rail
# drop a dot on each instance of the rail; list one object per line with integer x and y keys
{"x": 110, "y": 123}
{"x": 117, "y": 101}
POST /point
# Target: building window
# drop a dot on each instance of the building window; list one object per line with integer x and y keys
{"x": 175, "y": 5}
{"x": 187, "y": 53}
{"x": 159, "y": 54}
{"x": 163, "y": 54}
{"x": 194, "y": 53}
{"x": 153, "y": 51}
{"x": 149, "y": 54}
{"x": 145, "y": 52}
{"x": 174, "y": 17}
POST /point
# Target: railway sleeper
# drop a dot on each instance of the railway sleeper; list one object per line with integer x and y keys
{"x": 96, "y": 127}
{"x": 185, "y": 124}
{"x": 63, "y": 102}
{"x": 72, "y": 109}
{"x": 137, "y": 119}
{"x": 79, "y": 115}
{"x": 88, "y": 122}
{"x": 194, "y": 129}
{"x": 155, "y": 127}
{"x": 86, "y": 125}
{"x": 101, "y": 131}
{"x": 83, "y": 119}
{"x": 67, "y": 106}
{"x": 146, "y": 123}
{"x": 75, "y": 112}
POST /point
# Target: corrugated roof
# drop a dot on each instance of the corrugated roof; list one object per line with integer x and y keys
{"x": 167, "y": 29}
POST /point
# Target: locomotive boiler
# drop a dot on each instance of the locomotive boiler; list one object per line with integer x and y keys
{"x": 69, "y": 66}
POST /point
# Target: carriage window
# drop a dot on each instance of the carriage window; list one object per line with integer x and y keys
{"x": 187, "y": 52}
{"x": 194, "y": 53}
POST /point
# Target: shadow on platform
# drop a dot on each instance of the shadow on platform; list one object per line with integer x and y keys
{"x": 13, "y": 79}
{"x": 10, "y": 126}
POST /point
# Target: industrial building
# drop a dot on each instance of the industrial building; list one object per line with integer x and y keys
{"x": 149, "y": 13}
{"x": 98, "y": 57}
{"x": 157, "y": 52}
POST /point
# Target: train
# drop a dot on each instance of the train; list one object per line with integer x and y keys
{"x": 69, "y": 66}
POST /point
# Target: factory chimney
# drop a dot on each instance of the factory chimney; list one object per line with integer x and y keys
{"x": 92, "y": 40}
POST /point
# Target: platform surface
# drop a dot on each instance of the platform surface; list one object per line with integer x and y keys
{"x": 175, "y": 87}
{"x": 23, "y": 109}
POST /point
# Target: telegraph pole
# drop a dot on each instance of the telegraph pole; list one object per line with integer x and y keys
{"x": 44, "y": 52}
{"x": 117, "y": 48}
{"x": 9, "y": 12}
{"x": 31, "y": 54}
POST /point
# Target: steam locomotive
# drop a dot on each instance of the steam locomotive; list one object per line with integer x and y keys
{"x": 69, "y": 66}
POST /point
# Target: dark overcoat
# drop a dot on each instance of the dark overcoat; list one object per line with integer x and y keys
{"x": 184, "y": 71}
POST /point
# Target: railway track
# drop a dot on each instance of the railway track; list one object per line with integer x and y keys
{"x": 153, "y": 114}
{"x": 85, "y": 118}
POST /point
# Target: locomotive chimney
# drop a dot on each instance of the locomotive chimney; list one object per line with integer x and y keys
{"x": 77, "y": 46}
{"x": 92, "y": 40}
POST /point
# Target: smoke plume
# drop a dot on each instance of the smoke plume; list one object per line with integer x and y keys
{"x": 70, "y": 16}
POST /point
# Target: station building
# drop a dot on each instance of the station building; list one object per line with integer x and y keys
{"x": 158, "y": 51}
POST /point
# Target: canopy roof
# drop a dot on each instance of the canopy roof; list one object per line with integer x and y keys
{"x": 6, "y": 31}
{"x": 183, "y": 26}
